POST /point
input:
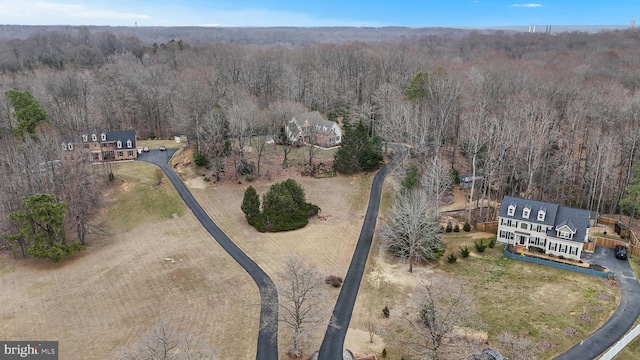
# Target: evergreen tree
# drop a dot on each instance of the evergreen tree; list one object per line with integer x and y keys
{"x": 27, "y": 111}
{"x": 251, "y": 203}
{"x": 42, "y": 228}
{"x": 358, "y": 150}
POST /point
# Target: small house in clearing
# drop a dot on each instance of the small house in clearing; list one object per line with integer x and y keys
{"x": 311, "y": 129}
{"x": 557, "y": 230}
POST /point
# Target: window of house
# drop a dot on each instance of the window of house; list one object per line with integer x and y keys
{"x": 573, "y": 250}
{"x": 130, "y": 154}
{"x": 541, "y": 215}
{"x": 70, "y": 146}
{"x": 85, "y": 138}
{"x": 562, "y": 248}
{"x": 553, "y": 246}
{"x": 120, "y": 154}
{"x": 119, "y": 144}
{"x": 524, "y": 225}
{"x": 86, "y": 146}
{"x": 103, "y": 136}
{"x": 337, "y": 138}
{"x": 564, "y": 234}
{"x": 64, "y": 146}
{"x": 128, "y": 143}
{"x": 94, "y": 137}
{"x": 511, "y": 210}
{"x": 525, "y": 212}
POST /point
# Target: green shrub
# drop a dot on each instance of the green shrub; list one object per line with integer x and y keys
{"x": 466, "y": 227}
{"x": 199, "y": 159}
{"x": 464, "y": 251}
{"x": 455, "y": 176}
{"x": 492, "y": 242}
{"x": 206, "y": 179}
{"x": 449, "y": 227}
{"x": 245, "y": 167}
{"x": 456, "y": 228}
{"x": 452, "y": 258}
{"x": 480, "y": 246}
{"x": 249, "y": 178}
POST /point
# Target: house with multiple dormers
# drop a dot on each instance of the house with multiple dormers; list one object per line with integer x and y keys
{"x": 312, "y": 129}
{"x": 558, "y": 230}
{"x": 99, "y": 146}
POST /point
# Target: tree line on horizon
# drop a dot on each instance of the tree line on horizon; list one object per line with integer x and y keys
{"x": 550, "y": 117}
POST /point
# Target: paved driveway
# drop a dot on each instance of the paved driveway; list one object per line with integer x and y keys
{"x": 267, "y": 338}
{"x": 621, "y": 320}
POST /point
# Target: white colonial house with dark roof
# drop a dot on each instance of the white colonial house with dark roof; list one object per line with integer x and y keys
{"x": 558, "y": 230}
{"x": 311, "y": 129}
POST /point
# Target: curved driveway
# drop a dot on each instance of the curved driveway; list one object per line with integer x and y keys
{"x": 333, "y": 343}
{"x": 624, "y": 316}
{"x": 267, "y": 338}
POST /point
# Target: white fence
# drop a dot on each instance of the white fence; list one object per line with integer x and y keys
{"x": 615, "y": 349}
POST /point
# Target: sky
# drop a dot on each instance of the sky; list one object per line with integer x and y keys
{"x": 310, "y": 13}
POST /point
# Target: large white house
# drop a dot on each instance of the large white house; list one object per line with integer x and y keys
{"x": 558, "y": 230}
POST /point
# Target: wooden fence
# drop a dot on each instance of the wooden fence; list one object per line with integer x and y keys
{"x": 489, "y": 227}
{"x": 607, "y": 221}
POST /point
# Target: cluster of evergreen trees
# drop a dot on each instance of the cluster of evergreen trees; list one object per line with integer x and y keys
{"x": 284, "y": 207}
{"x": 359, "y": 151}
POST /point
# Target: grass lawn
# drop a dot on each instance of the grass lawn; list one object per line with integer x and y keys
{"x": 553, "y": 308}
{"x": 141, "y": 196}
{"x": 155, "y": 144}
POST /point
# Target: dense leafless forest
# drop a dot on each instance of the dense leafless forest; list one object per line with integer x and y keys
{"x": 547, "y": 116}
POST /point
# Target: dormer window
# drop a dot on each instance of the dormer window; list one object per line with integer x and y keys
{"x": 526, "y": 211}
{"x": 129, "y": 143}
{"x": 512, "y": 210}
{"x": 541, "y": 214}
{"x": 119, "y": 144}
{"x": 103, "y": 137}
{"x": 70, "y": 146}
{"x": 94, "y": 137}
{"x": 85, "y": 138}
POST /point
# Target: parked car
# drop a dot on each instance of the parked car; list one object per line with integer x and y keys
{"x": 145, "y": 149}
{"x": 163, "y": 148}
{"x": 621, "y": 252}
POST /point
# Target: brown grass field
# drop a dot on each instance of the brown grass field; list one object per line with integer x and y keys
{"x": 112, "y": 293}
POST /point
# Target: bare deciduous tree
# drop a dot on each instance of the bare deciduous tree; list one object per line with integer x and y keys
{"x": 412, "y": 231}
{"x": 302, "y": 302}
{"x": 436, "y": 181}
{"x": 517, "y": 347}
{"x": 165, "y": 342}
{"x": 441, "y": 308}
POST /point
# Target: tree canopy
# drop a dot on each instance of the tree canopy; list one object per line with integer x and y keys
{"x": 284, "y": 207}
{"x": 27, "y": 111}
{"x": 41, "y": 228}
{"x": 359, "y": 151}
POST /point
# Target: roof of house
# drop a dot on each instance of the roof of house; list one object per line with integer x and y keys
{"x": 111, "y": 136}
{"x": 556, "y": 216}
{"x": 315, "y": 120}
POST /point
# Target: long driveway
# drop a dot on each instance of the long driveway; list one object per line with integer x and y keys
{"x": 333, "y": 343}
{"x": 267, "y": 338}
{"x": 624, "y": 316}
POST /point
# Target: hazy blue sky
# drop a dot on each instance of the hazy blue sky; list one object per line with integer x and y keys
{"x": 414, "y": 13}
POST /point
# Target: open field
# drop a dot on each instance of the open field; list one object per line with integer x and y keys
{"x": 121, "y": 285}
{"x": 115, "y": 291}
